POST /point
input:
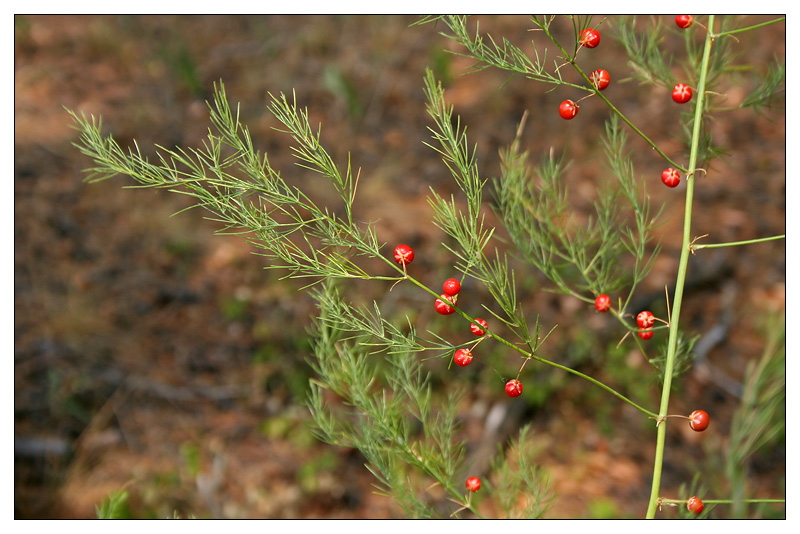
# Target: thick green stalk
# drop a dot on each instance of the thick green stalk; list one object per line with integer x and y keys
{"x": 681, "y": 279}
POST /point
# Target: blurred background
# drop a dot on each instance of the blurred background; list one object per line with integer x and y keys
{"x": 153, "y": 356}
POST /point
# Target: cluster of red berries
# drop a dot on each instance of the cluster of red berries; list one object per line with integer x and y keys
{"x": 600, "y": 78}
{"x": 698, "y": 419}
{"x": 463, "y": 357}
{"x": 446, "y": 304}
{"x": 645, "y": 320}
{"x": 447, "y": 300}
{"x": 682, "y": 93}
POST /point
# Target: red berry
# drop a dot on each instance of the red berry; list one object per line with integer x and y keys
{"x": 645, "y": 335}
{"x": 451, "y": 287}
{"x": 514, "y": 388}
{"x": 684, "y": 21}
{"x": 600, "y": 78}
{"x": 694, "y": 505}
{"x": 443, "y": 308}
{"x": 602, "y": 303}
{"x": 477, "y": 330}
{"x": 462, "y": 357}
{"x": 403, "y": 254}
{"x": 473, "y": 484}
{"x": 682, "y": 93}
{"x": 590, "y": 38}
{"x": 699, "y": 420}
{"x": 568, "y": 109}
{"x": 645, "y": 319}
{"x": 670, "y": 177}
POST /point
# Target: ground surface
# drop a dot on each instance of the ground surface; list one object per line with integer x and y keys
{"x": 151, "y": 355}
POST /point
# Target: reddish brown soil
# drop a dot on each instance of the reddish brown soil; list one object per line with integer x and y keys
{"x": 152, "y": 355}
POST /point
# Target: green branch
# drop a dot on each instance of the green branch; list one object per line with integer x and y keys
{"x": 747, "y": 29}
{"x": 693, "y": 247}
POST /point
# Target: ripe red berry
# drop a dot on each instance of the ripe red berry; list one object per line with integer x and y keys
{"x": 443, "y": 308}
{"x": 477, "y": 330}
{"x": 645, "y": 319}
{"x": 694, "y": 505}
{"x": 682, "y": 93}
{"x": 600, "y": 78}
{"x": 568, "y": 109}
{"x": 473, "y": 484}
{"x": 403, "y": 254}
{"x": 462, "y": 357}
{"x": 590, "y": 38}
{"x": 451, "y": 287}
{"x": 645, "y": 335}
{"x": 514, "y": 388}
{"x": 670, "y": 177}
{"x": 684, "y": 21}
{"x": 602, "y": 303}
{"x": 699, "y": 420}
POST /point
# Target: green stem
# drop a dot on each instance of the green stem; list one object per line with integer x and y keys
{"x": 740, "y": 30}
{"x": 725, "y": 501}
{"x": 736, "y": 243}
{"x": 681, "y": 279}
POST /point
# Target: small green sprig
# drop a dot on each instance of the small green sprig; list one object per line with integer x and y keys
{"x": 389, "y": 407}
{"x": 646, "y": 56}
{"x": 769, "y": 88}
{"x": 514, "y": 474}
{"x": 581, "y": 259}
{"x": 760, "y": 419}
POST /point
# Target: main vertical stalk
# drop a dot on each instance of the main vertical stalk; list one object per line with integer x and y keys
{"x": 680, "y": 281}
